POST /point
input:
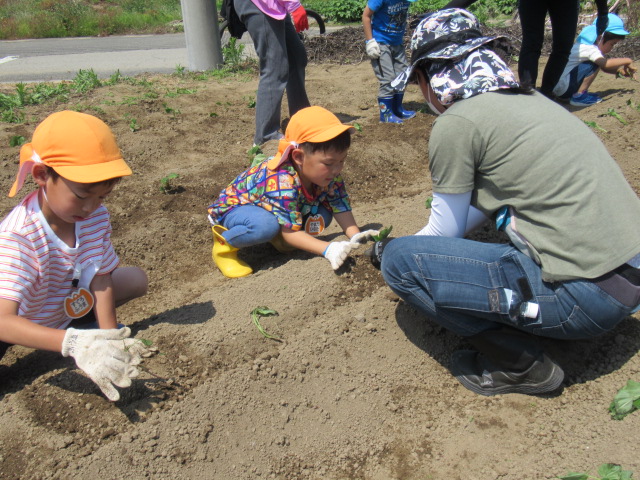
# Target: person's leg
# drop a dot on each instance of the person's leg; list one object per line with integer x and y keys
{"x": 532, "y": 17}
{"x": 399, "y": 65}
{"x": 564, "y": 21}
{"x": 580, "y": 80}
{"x": 460, "y": 285}
{"x": 128, "y": 283}
{"x": 297, "y": 55}
{"x": 268, "y": 35}
{"x": 385, "y": 72}
{"x": 249, "y": 225}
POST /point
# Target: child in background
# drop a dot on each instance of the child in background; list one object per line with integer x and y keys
{"x": 384, "y": 23}
{"x": 289, "y": 199}
{"x": 57, "y": 263}
{"x": 587, "y": 58}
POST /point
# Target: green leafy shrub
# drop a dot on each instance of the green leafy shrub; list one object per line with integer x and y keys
{"x": 344, "y": 11}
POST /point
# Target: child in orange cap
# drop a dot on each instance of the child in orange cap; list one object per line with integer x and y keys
{"x": 290, "y": 198}
{"x": 57, "y": 263}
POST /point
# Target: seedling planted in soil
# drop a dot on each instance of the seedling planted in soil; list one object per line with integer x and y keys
{"x": 606, "y": 471}
{"x": 258, "y": 312}
{"x": 626, "y": 400}
{"x": 384, "y": 233}
{"x": 167, "y": 184}
{"x": 595, "y": 126}
{"x": 612, "y": 113}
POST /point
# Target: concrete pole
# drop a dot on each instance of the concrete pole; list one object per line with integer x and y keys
{"x": 200, "y": 19}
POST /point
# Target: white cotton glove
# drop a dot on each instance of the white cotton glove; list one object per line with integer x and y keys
{"x": 137, "y": 349}
{"x": 104, "y": 357}
{"x": 362, "y": 237}
{"x": 373, "y": 49}
{"x": 337, "y": 253}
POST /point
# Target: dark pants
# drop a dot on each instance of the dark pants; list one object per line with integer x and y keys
{"x": 564, "y": 21}
{"x": 283, "y": 60}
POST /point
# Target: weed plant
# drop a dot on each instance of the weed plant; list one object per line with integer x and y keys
{"x": 79, "y": 18}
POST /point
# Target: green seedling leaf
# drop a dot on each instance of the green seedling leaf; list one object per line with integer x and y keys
{"x": 612, "y": 471}
{"x": 16, "y": 140}
{"x": 258, "y": 159}
{"x": 145, "y": 342}
{"x": 606, "y": 471}
{"x": 575, "y": 476}
{"x": 428, "y": 202}
{"x": 166, "y": 184}
{"x": 384, "y": 233}
{"x": 595, "y": 125}
{"x": 632, "y": 104}
{"x": 626, "y": 400}
{"x": 357, "y": 126}
{"x": 612, "y": 113}
{"x": 263, "y": 312}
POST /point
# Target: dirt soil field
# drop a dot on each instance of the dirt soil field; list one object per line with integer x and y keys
{"x": 359, "y": 387}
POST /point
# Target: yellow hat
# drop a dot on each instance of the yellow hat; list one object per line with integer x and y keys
{"x": 311, "y": 124}
{"x": 79, "y": 147}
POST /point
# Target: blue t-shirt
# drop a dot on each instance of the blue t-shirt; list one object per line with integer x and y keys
{"x": 389, "y": 20}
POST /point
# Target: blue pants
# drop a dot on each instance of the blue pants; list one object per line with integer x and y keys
{"x": 251, "y": 225}
{"x": 577, "y": 76}
{"x": 460, "y": 285}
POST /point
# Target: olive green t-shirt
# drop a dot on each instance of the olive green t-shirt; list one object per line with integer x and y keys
{"x": 571, "y": 200}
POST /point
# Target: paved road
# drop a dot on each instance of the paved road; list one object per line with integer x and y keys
{"x": 60, "y": 58}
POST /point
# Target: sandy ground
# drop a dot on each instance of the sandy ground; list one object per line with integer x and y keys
{"x": 359, "y": 387}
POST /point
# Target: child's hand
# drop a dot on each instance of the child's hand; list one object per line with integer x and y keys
{"x": 628, "y": 71}
{"x": 337, "y": 253}
{"x": 362, "y": 237}
{"x": 101, "y": 354}
{"x": 373, "y": 49}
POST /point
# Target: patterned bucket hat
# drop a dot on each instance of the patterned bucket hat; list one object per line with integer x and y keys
{"x": 447, "y": 39}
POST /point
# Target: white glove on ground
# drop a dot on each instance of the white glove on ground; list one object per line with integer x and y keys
{"x": 373, "y": 49}
{"x": 337, "y": 253}
{"x": 362, "y": 237}
{"x": 103, "y": 356}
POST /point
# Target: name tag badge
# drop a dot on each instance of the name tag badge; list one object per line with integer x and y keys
{"x": 314, "y": 225}
{"x": 78, "y": 303}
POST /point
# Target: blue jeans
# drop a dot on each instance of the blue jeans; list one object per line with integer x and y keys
{"x": 249, "y": 225}
{"x": 460, "y": 285}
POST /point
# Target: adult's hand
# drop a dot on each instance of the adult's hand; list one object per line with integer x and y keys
{"x": 103, "y": 355}
{"x": 337, "y": 253}
{"x": 300, "y": 20}
{"x": 373, "y": 49}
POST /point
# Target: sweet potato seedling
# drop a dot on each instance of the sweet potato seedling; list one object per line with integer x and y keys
{"x": 258, "y": 312}
{"x": 612, "y": 113}
{"x": 626, "y": 400}
{"x": 384, "y": 233}
{"x": 167, "y": 184}
{"x": 16, "y": 141}
{"x": 595, "y": 126}
{"x": 428, "y": 202}
{"x": 606, "y": 471}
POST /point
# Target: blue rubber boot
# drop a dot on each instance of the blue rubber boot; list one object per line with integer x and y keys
{"x": 399, "y": 110}
{"x": 386, "y": 110}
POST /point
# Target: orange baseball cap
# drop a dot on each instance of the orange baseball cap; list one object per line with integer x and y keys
{"x": 79, "y": 147}
{"x": 311, "y": 124}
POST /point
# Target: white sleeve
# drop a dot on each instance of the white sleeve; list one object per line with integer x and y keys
{"x": 452, "y": 216}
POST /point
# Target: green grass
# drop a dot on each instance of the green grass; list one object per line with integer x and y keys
{"x": 78, "y": 18}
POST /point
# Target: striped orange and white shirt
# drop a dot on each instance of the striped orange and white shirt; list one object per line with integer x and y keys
{"x": 37, "y": 268}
